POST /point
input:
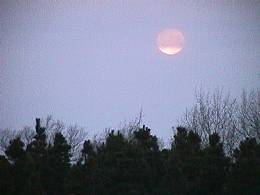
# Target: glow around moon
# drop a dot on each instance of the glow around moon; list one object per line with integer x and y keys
{"x": 170, "y": 41}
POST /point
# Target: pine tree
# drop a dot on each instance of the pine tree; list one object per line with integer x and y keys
{"x": 185, "y": 163}
{"x": 37, "y": 150}
{"x": 6, "y": 177}
{"x": 58, "y": 165}
{"x": 19, "y": 168}
{"x": 216, "y": 166}
{"x": 81, "y": 176}
{"x": 245, "y": 172}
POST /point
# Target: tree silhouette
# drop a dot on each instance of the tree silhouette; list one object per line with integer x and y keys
{"x": 245, "y": 172}
{"x": 37, "y": 150}
{"x": 6, "y": 177}
{"x": 19, "y": 166}
{"x": 185, "y": 163}
{"x": 216, "y": 166}
{"x": 58, "y": 165}
{"x": 129, "y": 164}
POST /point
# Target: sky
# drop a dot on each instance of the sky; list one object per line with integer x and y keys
{"x": 95, "y": 63}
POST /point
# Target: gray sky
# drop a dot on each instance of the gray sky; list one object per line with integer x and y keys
{"x": 95, "y": 63}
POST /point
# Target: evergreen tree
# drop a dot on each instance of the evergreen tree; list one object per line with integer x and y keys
{"x": 37, "y": 150}
{"x": 81, "y": 176}
{"x": 6, "y": 177}
{"x": 245, "y": 172}
{"x": 149, "y": 160}
{"x": 185, "y": 164}
{"x": 77, "y": 183}
{"x": 111, "y": 166}
{"x": 58, "y": 165}
{"x": 19, "y": 169}
{"x": 129, "y": 165}
{"x": 216, "y": 166}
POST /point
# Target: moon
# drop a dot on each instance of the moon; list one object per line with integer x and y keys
{"x": 170, "y": 41}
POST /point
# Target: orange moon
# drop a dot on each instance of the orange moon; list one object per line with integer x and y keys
{"x": 170, "y": 41}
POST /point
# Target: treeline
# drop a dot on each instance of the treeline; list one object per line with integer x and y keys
{"x": 132, "y": 164}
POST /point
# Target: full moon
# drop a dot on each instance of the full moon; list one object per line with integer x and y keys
{"x": 170, "y": 41}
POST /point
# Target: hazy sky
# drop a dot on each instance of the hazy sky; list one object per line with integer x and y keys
{"x": 95, "y": 63}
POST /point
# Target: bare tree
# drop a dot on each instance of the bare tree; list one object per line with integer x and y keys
{"x": 6, "y": 135}
{"x": 26, "y": 134}
{"x": 74, "y": 134}
{"x": 128, "y": 128}
{"x": 249, "y": 114}
{"x": 75, "y": 137}
{"x": 52, "y": 126}
{"x": 212, "y": 112}
{"x": 233, "y": 119}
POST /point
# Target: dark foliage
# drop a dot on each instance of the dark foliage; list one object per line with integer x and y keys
{"x": 129, "y": 165}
